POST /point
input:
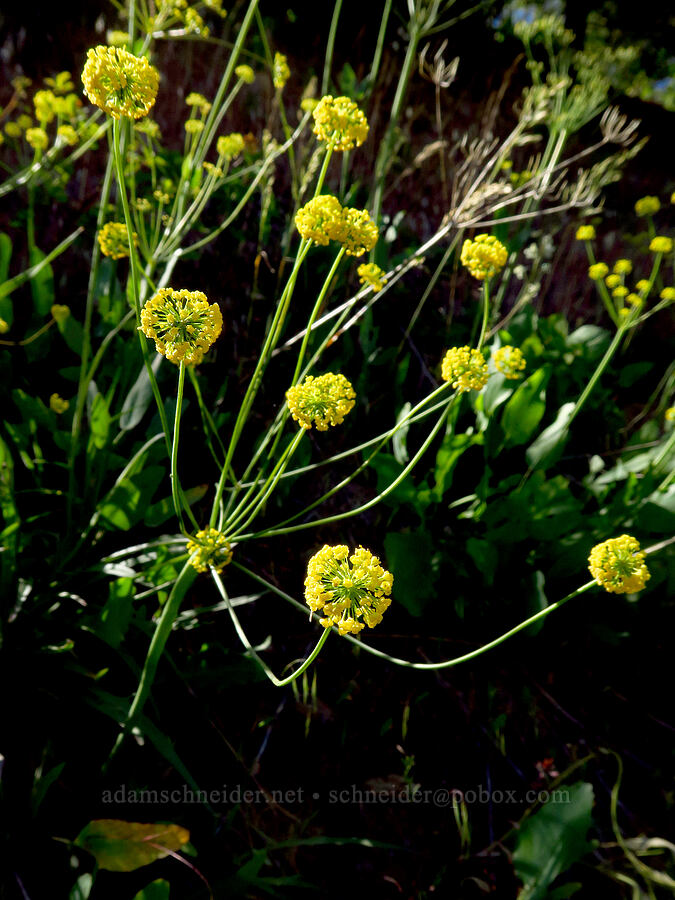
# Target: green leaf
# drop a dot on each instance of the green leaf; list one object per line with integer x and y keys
{"x": 448, "y": 455}
{"x": 99, "y": 421}
{"x": 139, "y": 397}
{"x": 156, "y": 890}
{"x": 82, "y": 887}
{"x": 72, "y": 333}
{"x": 118, "y": 611}
{"x": 6, "y": 306}
{"x": 591, "y": 339}
{"x": 553, "y": 839}
{"x": 409, "y": 559}
{"x": 128, "y": 500}
{"x": 399, "y": 439}
{"x": 125, "y": 846}
{"x": 42, "y": 282}
{"x": 524, "y": 411}
{"x": 159, "y": 512}
{"x": 545, "y": 449}
{"x": 485, "y": 555}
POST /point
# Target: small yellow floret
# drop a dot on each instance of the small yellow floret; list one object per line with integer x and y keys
{"x": 647, "y": 206}
{"x": 183, "y": 324}
{"x": 618, "y": 565}
{"x": 484, "y": 256}
{"x": 669, "y": 414}
{"x": 661, "y": 244}
{"x": 37, "y": 138}
{"x": 320, "y": 220}
{"x": 359, "y": 232}
{"x": 623, "y": 266}
{"x": 585, "y": 233}
{"x": 4, "y": 326}
{"x": 465, "y": 369}
{"x": 121, "y": 84}
{"x": 57, "y": 404}
{"x": 372, "y": 275}
{"x": 510, "y": 362}
{"x": 321, "y": 401}
{"x": 113, "y": 240}
{"x": 230, "y": 145}
{"x": 67, "y": 134}
{"x": 280, "y": 71}
{"x": 613, "y": 281}
{"x": 347, "y": 589}
{"x": 194, "y": 126}
{"x": 209, "y": 548}
{"x": 598, "y": 271}
{"x": 339, "y": 122}
{"x": 246, "y": 74}
{"x": 198, "y": 100}
{"x": 668, "y": 293}
{"x": 620, "y": 292}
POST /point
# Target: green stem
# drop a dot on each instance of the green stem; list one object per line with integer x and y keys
{"x": 157, "y": 644}
{"x": 175, "y": 483}
{"x": 602, "y": 365}
{"x": 486, "y": 313}
{"x": 279, "y": 682}
{"x": 330, "y": 45}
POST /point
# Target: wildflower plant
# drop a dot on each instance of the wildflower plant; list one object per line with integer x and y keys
{"x": 262, "y": 415}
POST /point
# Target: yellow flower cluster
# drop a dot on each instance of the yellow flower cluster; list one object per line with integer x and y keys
{"x": 37, "y": 138}
{"x": 183, "y": 324}
{"x": 194, "y": 126}
{"x": 113, "y": 240}
{"x": 339, "y": 122}
{"x": 230, "y": 145}
{"x": 597, "y": 271}
{"x": 623, "y": 267}
{"x": 123, "y": 85}
{"x": 198, "y": 100}
{"x": 465, "y": 369}
{"x": 347, "y": 588}
{"x": 280, "y": 71}
{"x": 58, "y": 405}
{"x": 371, "y": 275}
{"x": 509, "y": 361}
{"x": 647, "y": 206}
{"x": 669, "y": 414}
{"x": 484, "y": 256}
{"x": 67, "y": 134}
{"x": 246, "y": 74}
{"x": 618, "y": 565}
{"x": 585, "y": 233}
{"x": 4, "y": 326}
{"x": 661, "y": 244}
{"x": 324, "y": 219}
{"x": 322, "y": 401}
{"x": 668, "y": 293}
{"x": 209, "y": 548}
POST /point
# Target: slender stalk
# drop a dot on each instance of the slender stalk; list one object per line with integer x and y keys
{"x": 330, "y": 46}
{"x": 486, "y": 313}
{"x": 279, "y": 682}
{"x": 602, "y": 365}
{"x": 175, "y": 484}
{"x": 157, "y": 644}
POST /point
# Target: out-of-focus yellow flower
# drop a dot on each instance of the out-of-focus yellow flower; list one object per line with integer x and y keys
{"x": 613, "y": 281}
{"x": 623, "y": 267}
{"x": 661, "y": 244}
{"x": 60, "y": 312}
{"x": 4, "y": 326}
{"x": 321, "y": 401}
{"x": 669, "y": 414}
{"x": 647, "y": 206}
{"x": 37, "y": 138}
{"x": 618, "y": 565}
{"x": 585, "y": 233}
{"x": 308, "y": 104}
{"x": 67, "y": 134}
{"x": 215, "y": 171}
{"x": 113, "y": 240}
{"x": 280, "y": 71}
{"x": 57, "y": 404}
{"x": 230, "y": 145}
{"x": 643, "y": 285}
{"x": 209, "y": 547}
{"x": 121, "y": 84}
{"x": 372, "y": 275}
{"x": 510, "y": 362}
{"x": 44, "y": 103}
{"x": 117, "y": 38}
{"x": 635, "y": 300}
{"x": 246, "y": 74}
{"x": 61, "y": 83}
{"x": 484, "y": 256}
{"x": 339, "y": 122}
{"x": 320, "y": 220}
{"x": 351, "y": 591}
{"x": 194, "y": 126}
{"x": 668, "y": 293}
{"x": 598, "y": 271}
{"x": 198, "y": 100}
{"x": 183, "y": 324}
{"x": 465, "y": 369}
{"x": 620, "y": 292}
{"x": 24, "y": 122}
{"x": 13, "y": 130}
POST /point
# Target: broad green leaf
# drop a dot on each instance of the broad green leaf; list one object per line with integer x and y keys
{"x": 125, "y": 846}
{"x": 6, "y": 306}
{"x": 399, "y": 439}
{"x": 448, "y": 455}
{"x": 99, "y": 421}
{"x": 128, "y": 500}
{"x": 156, "y": 890}
{"x": 117, "y": 612}
{"x": 71, "y": 332}
{"x": 159, "y": 512}
{"x": 409, "y": 559}
{"x": 42, "y": 282}
{"x": 592, "y": 339}
{"x": 485, "y": 555}
{"x": 545, "y": 449}
{"x": 553, "y": 839}
{"x": 139, "y": 397}
{"x": 524, "y": 411}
